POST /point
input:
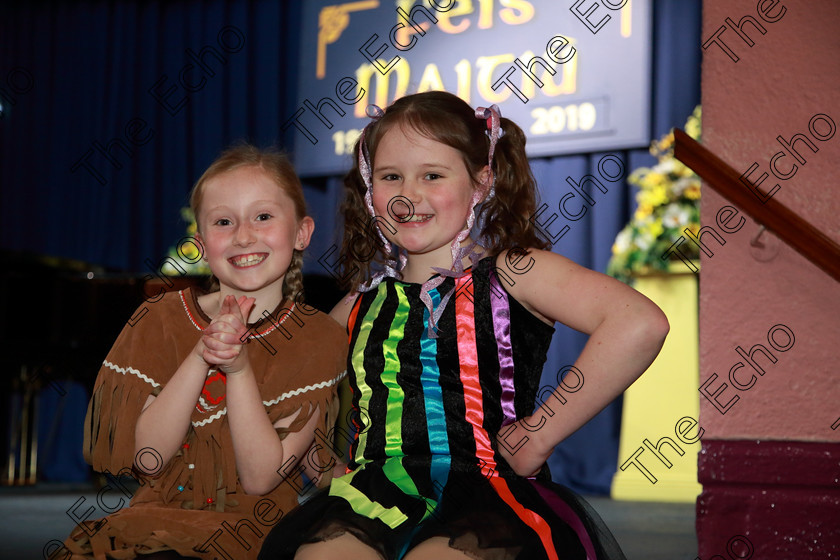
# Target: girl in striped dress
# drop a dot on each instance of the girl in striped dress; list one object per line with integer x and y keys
{"x": 448, "y": 328}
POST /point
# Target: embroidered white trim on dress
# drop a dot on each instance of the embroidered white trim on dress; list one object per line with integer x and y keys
{"x": 211, "y": 418}
{"x": 206, "y": 407}
{"x": 273, "y": 327}
{"x": 187, "y": 309}
{"x": 285, "y": 395}
{"x": 296, "y": 392}
{"x": 132, "y": 371}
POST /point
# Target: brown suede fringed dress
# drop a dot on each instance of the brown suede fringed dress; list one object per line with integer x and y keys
{"x": 196, "y": 505}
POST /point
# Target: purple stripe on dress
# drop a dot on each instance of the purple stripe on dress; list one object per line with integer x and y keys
{"x": 501, "y": 326}
{"x": 567, "y": 514}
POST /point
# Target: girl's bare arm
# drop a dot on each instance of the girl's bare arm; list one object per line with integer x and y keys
{"x": 626, "y": 331}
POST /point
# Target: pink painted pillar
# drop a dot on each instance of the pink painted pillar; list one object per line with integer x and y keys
{"x": 770, "y": 459}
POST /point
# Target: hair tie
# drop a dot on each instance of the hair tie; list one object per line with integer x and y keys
{"x": 374, "y": 111}
{"x": 493, "y": 116}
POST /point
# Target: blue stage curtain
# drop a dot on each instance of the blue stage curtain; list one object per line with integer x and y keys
{"x": 92, "y": 64}
{"x": 81, "y": 71}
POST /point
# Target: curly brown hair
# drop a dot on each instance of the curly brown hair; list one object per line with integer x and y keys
{"x": 280, "y": 170}
{"x": 441, "y": 116}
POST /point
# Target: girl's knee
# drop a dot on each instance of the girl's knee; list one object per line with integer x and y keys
{"x": 343, "y": 547}
{"x": 437, "y": 548}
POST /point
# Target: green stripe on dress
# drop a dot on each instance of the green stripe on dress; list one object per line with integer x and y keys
{"x": 358, "y": 360}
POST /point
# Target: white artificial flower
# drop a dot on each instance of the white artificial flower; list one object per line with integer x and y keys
{"x": 644, "y": 241}
{"x": 622, "y": 240}
{"x": 666, "y": 166}
{"x": 675, "y": 215}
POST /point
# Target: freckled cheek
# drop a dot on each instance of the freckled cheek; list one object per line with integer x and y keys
{"x": 215, "y": 246}
{"x": 215, "y": 255}
{"x": 283, "y": 240}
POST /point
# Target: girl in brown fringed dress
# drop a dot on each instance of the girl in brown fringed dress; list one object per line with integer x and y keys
{"x": 211, "y": 428}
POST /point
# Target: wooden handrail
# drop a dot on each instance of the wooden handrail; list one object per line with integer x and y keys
{"x": 810, "y": 242}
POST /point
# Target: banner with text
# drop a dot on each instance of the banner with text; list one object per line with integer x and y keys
{"x": 574, "y": 74}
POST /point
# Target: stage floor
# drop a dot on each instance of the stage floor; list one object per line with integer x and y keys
{"x": 36, "y": 515}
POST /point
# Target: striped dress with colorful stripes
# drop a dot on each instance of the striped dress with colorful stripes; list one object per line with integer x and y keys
{"x": 427, "y": 411}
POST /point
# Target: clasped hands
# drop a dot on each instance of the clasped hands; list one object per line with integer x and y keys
{"x": 221, "y": 343}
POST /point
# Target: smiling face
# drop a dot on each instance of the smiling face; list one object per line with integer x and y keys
{"x": 434, "y": 178}
{"x": 249, "y": 228}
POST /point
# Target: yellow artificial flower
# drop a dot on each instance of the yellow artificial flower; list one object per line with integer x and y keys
{"x": 637, "y": 175}
{"x": 666, "y": 143}
{"x": 656, "y": 228}
{"x": 661, "y": 205}
{"x": 656, "y": 196}
{"x": 692, "y": 192}
{"x": 654, "y": 178}
{"x": 679, "y": 169}
{"x": 652, "y": 228}
{"x": 692, "y": 125}
{"x": 694, "y": 227}
{"x": 642, "y": 212}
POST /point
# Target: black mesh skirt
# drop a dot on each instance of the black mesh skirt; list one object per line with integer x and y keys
{"x": 491, "y": 518}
